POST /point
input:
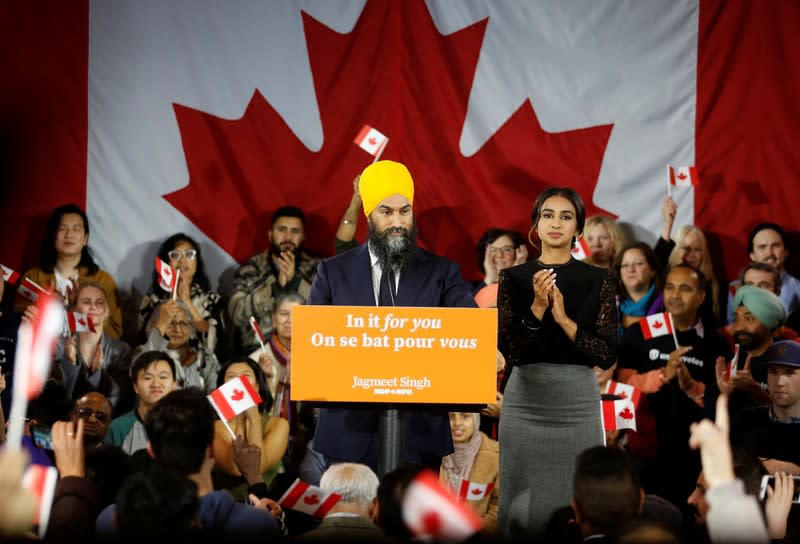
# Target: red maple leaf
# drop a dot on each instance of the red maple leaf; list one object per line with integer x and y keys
{"x": 237, "y": 395}
{"x": 681, "y": 176}
{"x": 626, "y": 413}
{"x": 395, "y": 72}
{"x": 81, "y": 321}
{"x": 622, "y": 395}
{"x": 311, "y": 499}
{"x": 657, "y": 324}
{"x": 431, "y": 523}
{"x": 477, "y": 491}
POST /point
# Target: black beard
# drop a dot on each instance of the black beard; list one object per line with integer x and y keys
{"x": 747, "y": 340}
{"x": 275, "y": 252}
{"x": 396, "y": 252}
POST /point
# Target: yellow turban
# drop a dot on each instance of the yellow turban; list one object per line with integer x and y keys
{"x": 383, "y": 179}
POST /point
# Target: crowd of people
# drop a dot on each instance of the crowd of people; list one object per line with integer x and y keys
{"x": 141, "y": 453}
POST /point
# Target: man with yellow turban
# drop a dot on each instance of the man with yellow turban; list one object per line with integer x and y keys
{"x": 388, "y": 270}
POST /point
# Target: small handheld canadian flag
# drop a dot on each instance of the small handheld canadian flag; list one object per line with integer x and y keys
{"x": 371, "y": 141}
{"x": 581, "y": 249}
{"x": 309, "y": 499}
{"x": 36, "y": 343}
{"x": 473, "y": 491}
{"x": 730, "y": 369}
{"x": 166, "y": 275}
{"x": 41, "y": 481}
{"x": 656, "y": 325}
{"x": 683, "y": 176}
{"x": 234, "y": 397}
{"x": 431, "y": 510}
{"x": 79, "y": 322}
{"x": 618, "y": 414}
{"x": 30, "y": 290}
{"x": 624, "y": 391}
{"x": 257, "y": 331}
{"x": 10, "y": 275}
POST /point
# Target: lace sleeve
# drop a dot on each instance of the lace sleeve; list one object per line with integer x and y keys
{"x": 599, "y": 344}
{"x": 516, "y": 333}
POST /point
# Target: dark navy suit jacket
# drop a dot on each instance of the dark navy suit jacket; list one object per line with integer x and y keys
{"x": 346, "y": 432}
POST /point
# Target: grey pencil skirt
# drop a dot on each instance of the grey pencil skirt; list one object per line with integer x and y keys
{"x": 551, "y": 413}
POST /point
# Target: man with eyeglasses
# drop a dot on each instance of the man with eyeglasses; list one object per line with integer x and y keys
{"x": 282, "y": 268}
{"x": 95, "y": 411}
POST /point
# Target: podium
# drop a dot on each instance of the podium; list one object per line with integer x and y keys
{"x": 396, "y": 357}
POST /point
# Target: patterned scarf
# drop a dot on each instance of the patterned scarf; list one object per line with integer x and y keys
{"x": 282, "y": 407}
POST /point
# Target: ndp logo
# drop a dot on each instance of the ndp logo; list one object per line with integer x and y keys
{"x": 654, "y": 353}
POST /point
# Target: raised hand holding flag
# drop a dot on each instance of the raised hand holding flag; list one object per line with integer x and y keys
{"x": 681, "y": 176}
{"x": 372, "y": 141}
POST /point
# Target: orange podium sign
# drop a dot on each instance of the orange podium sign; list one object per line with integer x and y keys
{"x": 394, "y": 354}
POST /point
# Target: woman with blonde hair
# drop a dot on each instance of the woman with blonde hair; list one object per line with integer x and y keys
{"x": 605, "y": 240}
{"x": 691, "y": 248}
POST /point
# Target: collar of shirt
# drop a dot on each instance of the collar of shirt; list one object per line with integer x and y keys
{"x": 377, "y": 270}
{"x": 774, "y": 418}
{"x": 698, "y": 327}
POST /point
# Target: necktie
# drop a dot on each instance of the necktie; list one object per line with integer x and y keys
{"x": 386, "y": 295}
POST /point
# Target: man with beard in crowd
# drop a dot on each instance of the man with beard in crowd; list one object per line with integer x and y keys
{"x": 388, "y": 270}
{"x": 758, "y": 314}
{"x": 282, "y": 268}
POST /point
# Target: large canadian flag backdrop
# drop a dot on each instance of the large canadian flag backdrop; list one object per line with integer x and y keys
{"x": 205, "y": 116}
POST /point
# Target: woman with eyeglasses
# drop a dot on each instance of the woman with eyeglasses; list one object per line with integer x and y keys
{"x": 181, "y": 252}
{"x": 171, "y": 329}
{"x": 497, "y": 250}
{"x": 91, "y": 360}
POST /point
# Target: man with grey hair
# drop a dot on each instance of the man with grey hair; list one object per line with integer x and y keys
{"x": 351, "y": 517}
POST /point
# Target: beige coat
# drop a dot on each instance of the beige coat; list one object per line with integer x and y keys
{"x": 486, "y": 469}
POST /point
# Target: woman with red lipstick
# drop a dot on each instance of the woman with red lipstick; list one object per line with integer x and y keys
{"x": 557, "y": 320}
{"x": 182, "y": 253}
{"x": 66, "y": 260}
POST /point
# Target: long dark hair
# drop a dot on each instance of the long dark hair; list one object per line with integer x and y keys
{"x": 47, "y": 253}
{"x": 574, "y": 199}
{"x": 261, "y": 380}
{"x": 200, "y": 276}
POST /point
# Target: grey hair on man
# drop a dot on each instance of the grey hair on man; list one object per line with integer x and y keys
{"x": 356, "y": 483}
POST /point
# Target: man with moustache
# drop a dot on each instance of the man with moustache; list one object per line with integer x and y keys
{"x": 282, "y": 268}
{"x": 388, "y": 270}
{"x": 676, "y": 380}
{"x": 758, "y": 315}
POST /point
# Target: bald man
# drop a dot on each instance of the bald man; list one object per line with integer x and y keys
{"x": 95, "y": 411}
